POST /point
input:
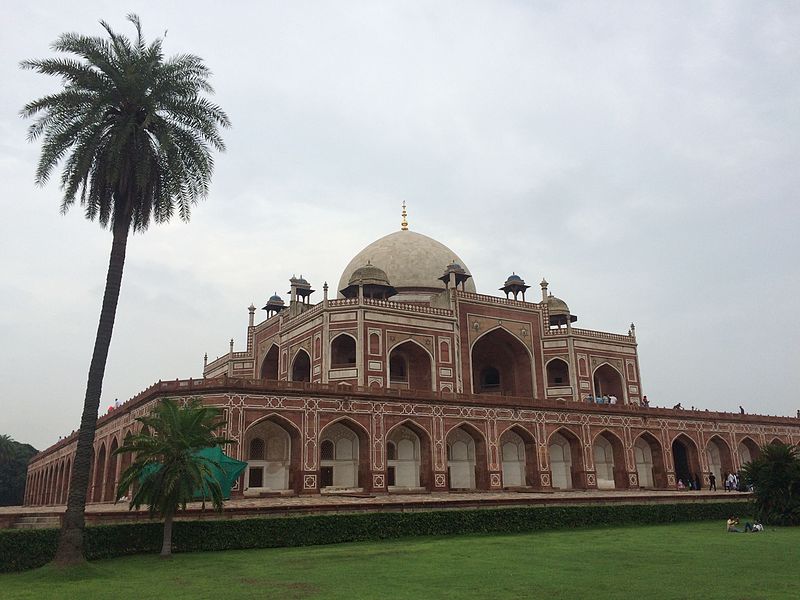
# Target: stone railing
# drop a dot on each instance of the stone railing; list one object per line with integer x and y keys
{"x": 417, "y": 308}
{"x": 576, "y": 331}
{"x": 497, "y": 300}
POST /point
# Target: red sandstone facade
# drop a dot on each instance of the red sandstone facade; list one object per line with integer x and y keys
{"x": 410, "y": 383}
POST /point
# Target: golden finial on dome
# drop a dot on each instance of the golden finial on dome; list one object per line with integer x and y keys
{"x": 404, "y": 223}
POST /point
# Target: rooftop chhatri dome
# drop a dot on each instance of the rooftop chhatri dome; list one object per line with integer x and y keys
{"x": 367, "y": 274}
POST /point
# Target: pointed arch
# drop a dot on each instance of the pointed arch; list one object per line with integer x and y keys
{"x": 526, "y": 456}
{"x": 408, "y": 456}
{"x": 501, "y": 364}
{"x": 425, "y": 450}
{"x": 277, "y": 466}
{"x": 343, "y": 350}
{"x": 410, "y": 366}
{"x": 609, "y": 461}
{"x": 269, "y": 366}
{"x": 748, "y": 450}
{"x": 608, "y": 380}
{"x": 557, "y": 370}
{"x": 565, "y": 451}
{"x": 685, "y": 457}
{"x": 718, "y": 454}
{"x": 350, "y": 465}
{"x": 301, "y": 366}
{"x": 67, "y": 480}
{"x": 58, "y": 473}
{"x": 466, "y": 457}
{"x": 649, "y": 459}
{"x": 111, "y": 472}
{"x": 99, "y": 472}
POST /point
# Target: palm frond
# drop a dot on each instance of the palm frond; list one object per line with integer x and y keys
{"x": 132, "y": 129}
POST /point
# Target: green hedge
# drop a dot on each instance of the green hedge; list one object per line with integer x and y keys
{"x": 27, "y": 549}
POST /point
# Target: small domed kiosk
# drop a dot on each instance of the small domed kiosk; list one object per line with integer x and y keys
{"x": 372, "y": 280}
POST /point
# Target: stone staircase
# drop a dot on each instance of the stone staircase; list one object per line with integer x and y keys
{"x": 37, "y": 522}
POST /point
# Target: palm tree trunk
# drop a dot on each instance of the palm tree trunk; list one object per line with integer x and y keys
{"x": 70, "y": 544}
{"x": 166, "y": 545}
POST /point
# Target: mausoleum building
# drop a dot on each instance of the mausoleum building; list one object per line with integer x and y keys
{"x": 403, "y": 378}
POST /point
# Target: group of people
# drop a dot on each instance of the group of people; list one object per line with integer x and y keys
{"x": 604, "y": 399}
{"x": 732, "y": 482}
{"x": 733, "y": 526}
{"x": 691, "y": 483}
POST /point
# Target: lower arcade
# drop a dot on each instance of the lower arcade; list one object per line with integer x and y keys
{"x": 304, "y": 438}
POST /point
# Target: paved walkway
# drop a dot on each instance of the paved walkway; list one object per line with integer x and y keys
{"x": 286, "y": 505}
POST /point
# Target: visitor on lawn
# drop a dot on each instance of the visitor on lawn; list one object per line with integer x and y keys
{"x": 732, "y": 523}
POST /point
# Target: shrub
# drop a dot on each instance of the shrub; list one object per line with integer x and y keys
{"x": 775, "y": 477}
{"x": 28, "y": 549}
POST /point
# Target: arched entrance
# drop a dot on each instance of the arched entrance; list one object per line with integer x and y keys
{"x": 719, "y": 458}
{"x": 99, "y": 471}
{"x": 557, "y": 373}
{"x": 608, "y": 382}
{"x": 513, "y": 456}
{"x": 65, "y": 482}
{"x": 403, "y": 458}
{"x": 466, "y": 458}
{"x": 344, "y": 456}
{"x": 111, "y": 472}
{"x": 564, "y": 449}
{"x": 268, "y": 450}
{"x": 58, "y": 481}
{"x": 410, "y": 367}
{"x": 649, "y": 462}
{"x": 748, "y": 451}
{"x": 685, "y": 457}
{"x": 501, "y": 364}
{"x": 343, "y": 351}
{"x": 269, "y": 368}
{"x": 301, "y": 366}
{"x": 609, "y": 462}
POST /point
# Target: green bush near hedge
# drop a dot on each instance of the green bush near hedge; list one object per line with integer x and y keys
{"x": 28, "y": 549}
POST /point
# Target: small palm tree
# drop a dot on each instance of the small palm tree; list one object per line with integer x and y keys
{"x": 134, "y": 133}
{"x": 775, "y": 477}
{"x": 167, "y": 471}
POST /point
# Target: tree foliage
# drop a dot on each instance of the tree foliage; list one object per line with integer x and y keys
{"x": 775, "y": 477}
{"x": 131, "y": 127}
{"x": 134, "y": 133}
{"x": 14, "y": 458}
{"x": 166, "y": 471}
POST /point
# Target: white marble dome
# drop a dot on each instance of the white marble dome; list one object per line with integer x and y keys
{"x": 412, "y": 261}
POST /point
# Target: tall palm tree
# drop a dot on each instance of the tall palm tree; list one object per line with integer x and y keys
{"x": 135, "y": 134}
{"x": 168, "y": 471}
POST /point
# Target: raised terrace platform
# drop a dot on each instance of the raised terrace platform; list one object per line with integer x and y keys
{"x": 238, "y": 508}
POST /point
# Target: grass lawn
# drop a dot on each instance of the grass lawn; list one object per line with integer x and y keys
{"x": 693, "y": 560}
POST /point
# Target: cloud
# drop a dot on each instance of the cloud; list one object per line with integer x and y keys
{"x": 642, "y": 157}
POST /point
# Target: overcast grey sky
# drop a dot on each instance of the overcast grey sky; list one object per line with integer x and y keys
{"x": 643, "y": 157}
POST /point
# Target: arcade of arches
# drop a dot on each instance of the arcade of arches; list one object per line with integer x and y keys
{"x": 272, "y": 447}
